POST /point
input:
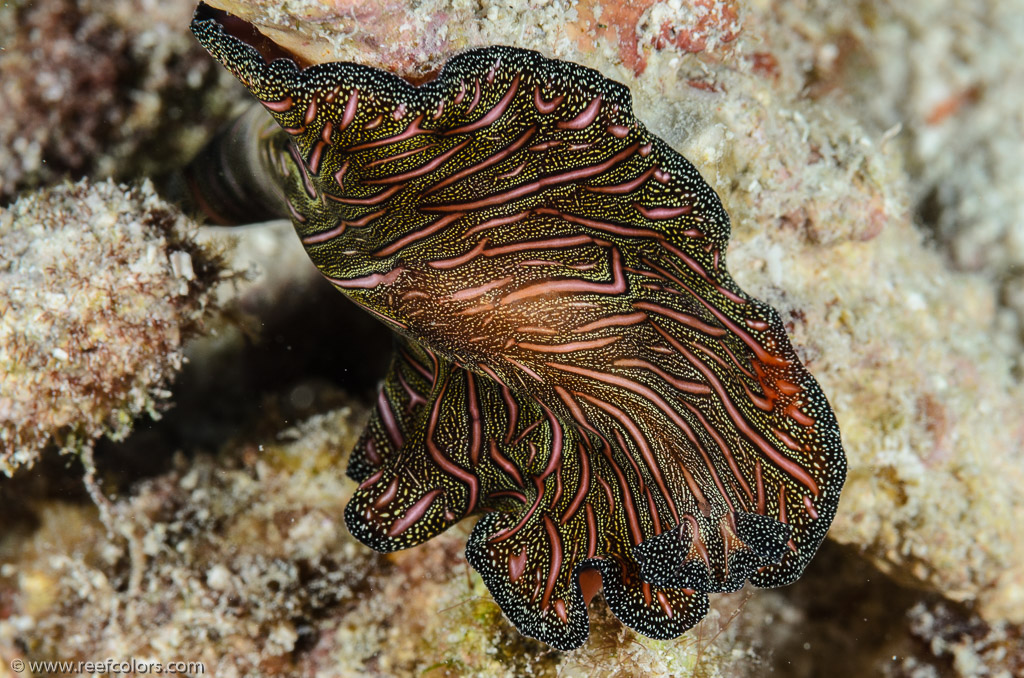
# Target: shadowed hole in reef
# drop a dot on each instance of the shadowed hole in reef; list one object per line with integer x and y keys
{"x": 315, "y": 353}
{"x": 842, "y": 607}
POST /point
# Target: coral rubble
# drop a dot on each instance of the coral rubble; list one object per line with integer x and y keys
{"x": 103, "y": 283}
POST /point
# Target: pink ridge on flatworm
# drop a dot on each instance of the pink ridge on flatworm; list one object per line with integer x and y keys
{"x": 573, "y": 360}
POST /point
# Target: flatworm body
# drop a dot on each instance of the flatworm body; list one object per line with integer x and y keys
{"x": 573, "y": 359}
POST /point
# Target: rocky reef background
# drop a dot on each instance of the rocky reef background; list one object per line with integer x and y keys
{"x": 205, "y": 386}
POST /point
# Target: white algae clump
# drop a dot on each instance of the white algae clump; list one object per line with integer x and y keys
{"x": 100, "y": 285}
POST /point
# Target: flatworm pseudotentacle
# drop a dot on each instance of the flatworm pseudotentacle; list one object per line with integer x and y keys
{"x": 572, "y": 359}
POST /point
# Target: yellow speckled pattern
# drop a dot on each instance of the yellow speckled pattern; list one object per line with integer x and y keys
{"x": 573, "y": 359}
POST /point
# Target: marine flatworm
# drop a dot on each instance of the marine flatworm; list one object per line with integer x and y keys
{"x": 573, "y": 360}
